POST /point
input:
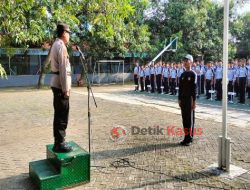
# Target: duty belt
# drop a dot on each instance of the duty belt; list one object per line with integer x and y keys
{"x": 56, "y": 73}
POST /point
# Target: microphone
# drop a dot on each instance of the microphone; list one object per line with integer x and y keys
{"x": 79, "y": 50}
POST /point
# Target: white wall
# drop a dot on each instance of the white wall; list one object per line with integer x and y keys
{"x": 31, "y": 80}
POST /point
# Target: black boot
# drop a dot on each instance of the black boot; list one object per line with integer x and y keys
{"x": 62, "y": 147}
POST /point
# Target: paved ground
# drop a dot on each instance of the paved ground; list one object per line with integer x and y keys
{"x": 157, "y": 161}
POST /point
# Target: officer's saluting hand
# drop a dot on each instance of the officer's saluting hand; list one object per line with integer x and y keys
{"x": 187, "y": 99}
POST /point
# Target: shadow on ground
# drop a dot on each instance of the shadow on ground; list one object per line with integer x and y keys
{"x": 19, "y": 182}
{"x": 131, "y": 151}
{"x": 183, "y": 178}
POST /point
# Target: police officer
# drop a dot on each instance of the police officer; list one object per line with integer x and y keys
{"x": 60, "y": 85}
{"x": 209, "y": 75}
{"x": 241, "y": 80}
{"x": 136, "y": 76}
{"x": 147, "y": 77}
{"x": 218, "y": 81}
{"x": 187, "y": 99}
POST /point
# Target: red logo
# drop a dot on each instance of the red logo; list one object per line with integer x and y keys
{"x": 118, "y": 134}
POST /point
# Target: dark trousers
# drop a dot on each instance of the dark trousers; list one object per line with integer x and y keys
{"x": 166, "y": 86}
{"x": 208, "y": 87}
{"x": 152, "y": 81}
{"x": 158, "y": 83}
{"x": 188, "y": 118}
{"x": 202, "y": 84}
{"x": 147, "y": 82}
{"x": 248, "y": 92}
{"x": 61, "y": 115}
{"x": 173, "y": 86}
{"x": 142, "y": 83}
{"x": 236, "y": 88}
{"x": 177, "y": 81}
{"x": 242, "y": 89}
{"x": 199, "y": 84}
{"x": 218, "y": 87}
{"x": 136, "y": 82}
{"x": 230, "y": 89}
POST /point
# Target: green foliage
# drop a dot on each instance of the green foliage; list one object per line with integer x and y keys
{"x": 198, "y": 24}
{"x": 114, "y": 27}
{"x": 245, "y": 40}
{"x": 10, "y": 52}
{"x": 104, "y": 28}
{"x": 32, "y": 22}
{"x": 109, "y": 28}
{"x": 241, "y": 32}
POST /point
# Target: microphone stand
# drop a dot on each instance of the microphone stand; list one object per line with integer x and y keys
{"x": 85, "y": 71}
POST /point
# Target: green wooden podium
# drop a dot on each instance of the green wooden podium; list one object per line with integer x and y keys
{"x": 61, "y": 170}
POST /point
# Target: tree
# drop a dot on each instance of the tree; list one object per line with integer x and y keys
{"x": 198, "y": 25}
{"x": 245, "y": 40}
{"x": 2, "y": 72}
{"x": 138, "y": 33}
{"x": 241, "y": 33}
{"x": 110, "y": 27}
{"x": 10, "y": 52}
{"x": 103, "y": 27}
{"x": 32, "y": 22}
{"x": 155, "y": 19}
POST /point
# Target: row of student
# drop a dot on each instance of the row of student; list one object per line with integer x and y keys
{"x": 158, "y": 75}
{"x": 238, "y": 78}
{"x": 209, "y": 77}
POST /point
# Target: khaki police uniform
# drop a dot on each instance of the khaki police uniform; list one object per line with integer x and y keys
{"x": 60, "y": 83}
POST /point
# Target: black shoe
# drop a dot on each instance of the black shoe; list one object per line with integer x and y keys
{"x": 62, "y": 148}
{"x": 186, "y": 143}
{"x": 183, "y": 142}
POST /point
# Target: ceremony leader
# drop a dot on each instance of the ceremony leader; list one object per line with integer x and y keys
{"x": 187, "y": 99}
